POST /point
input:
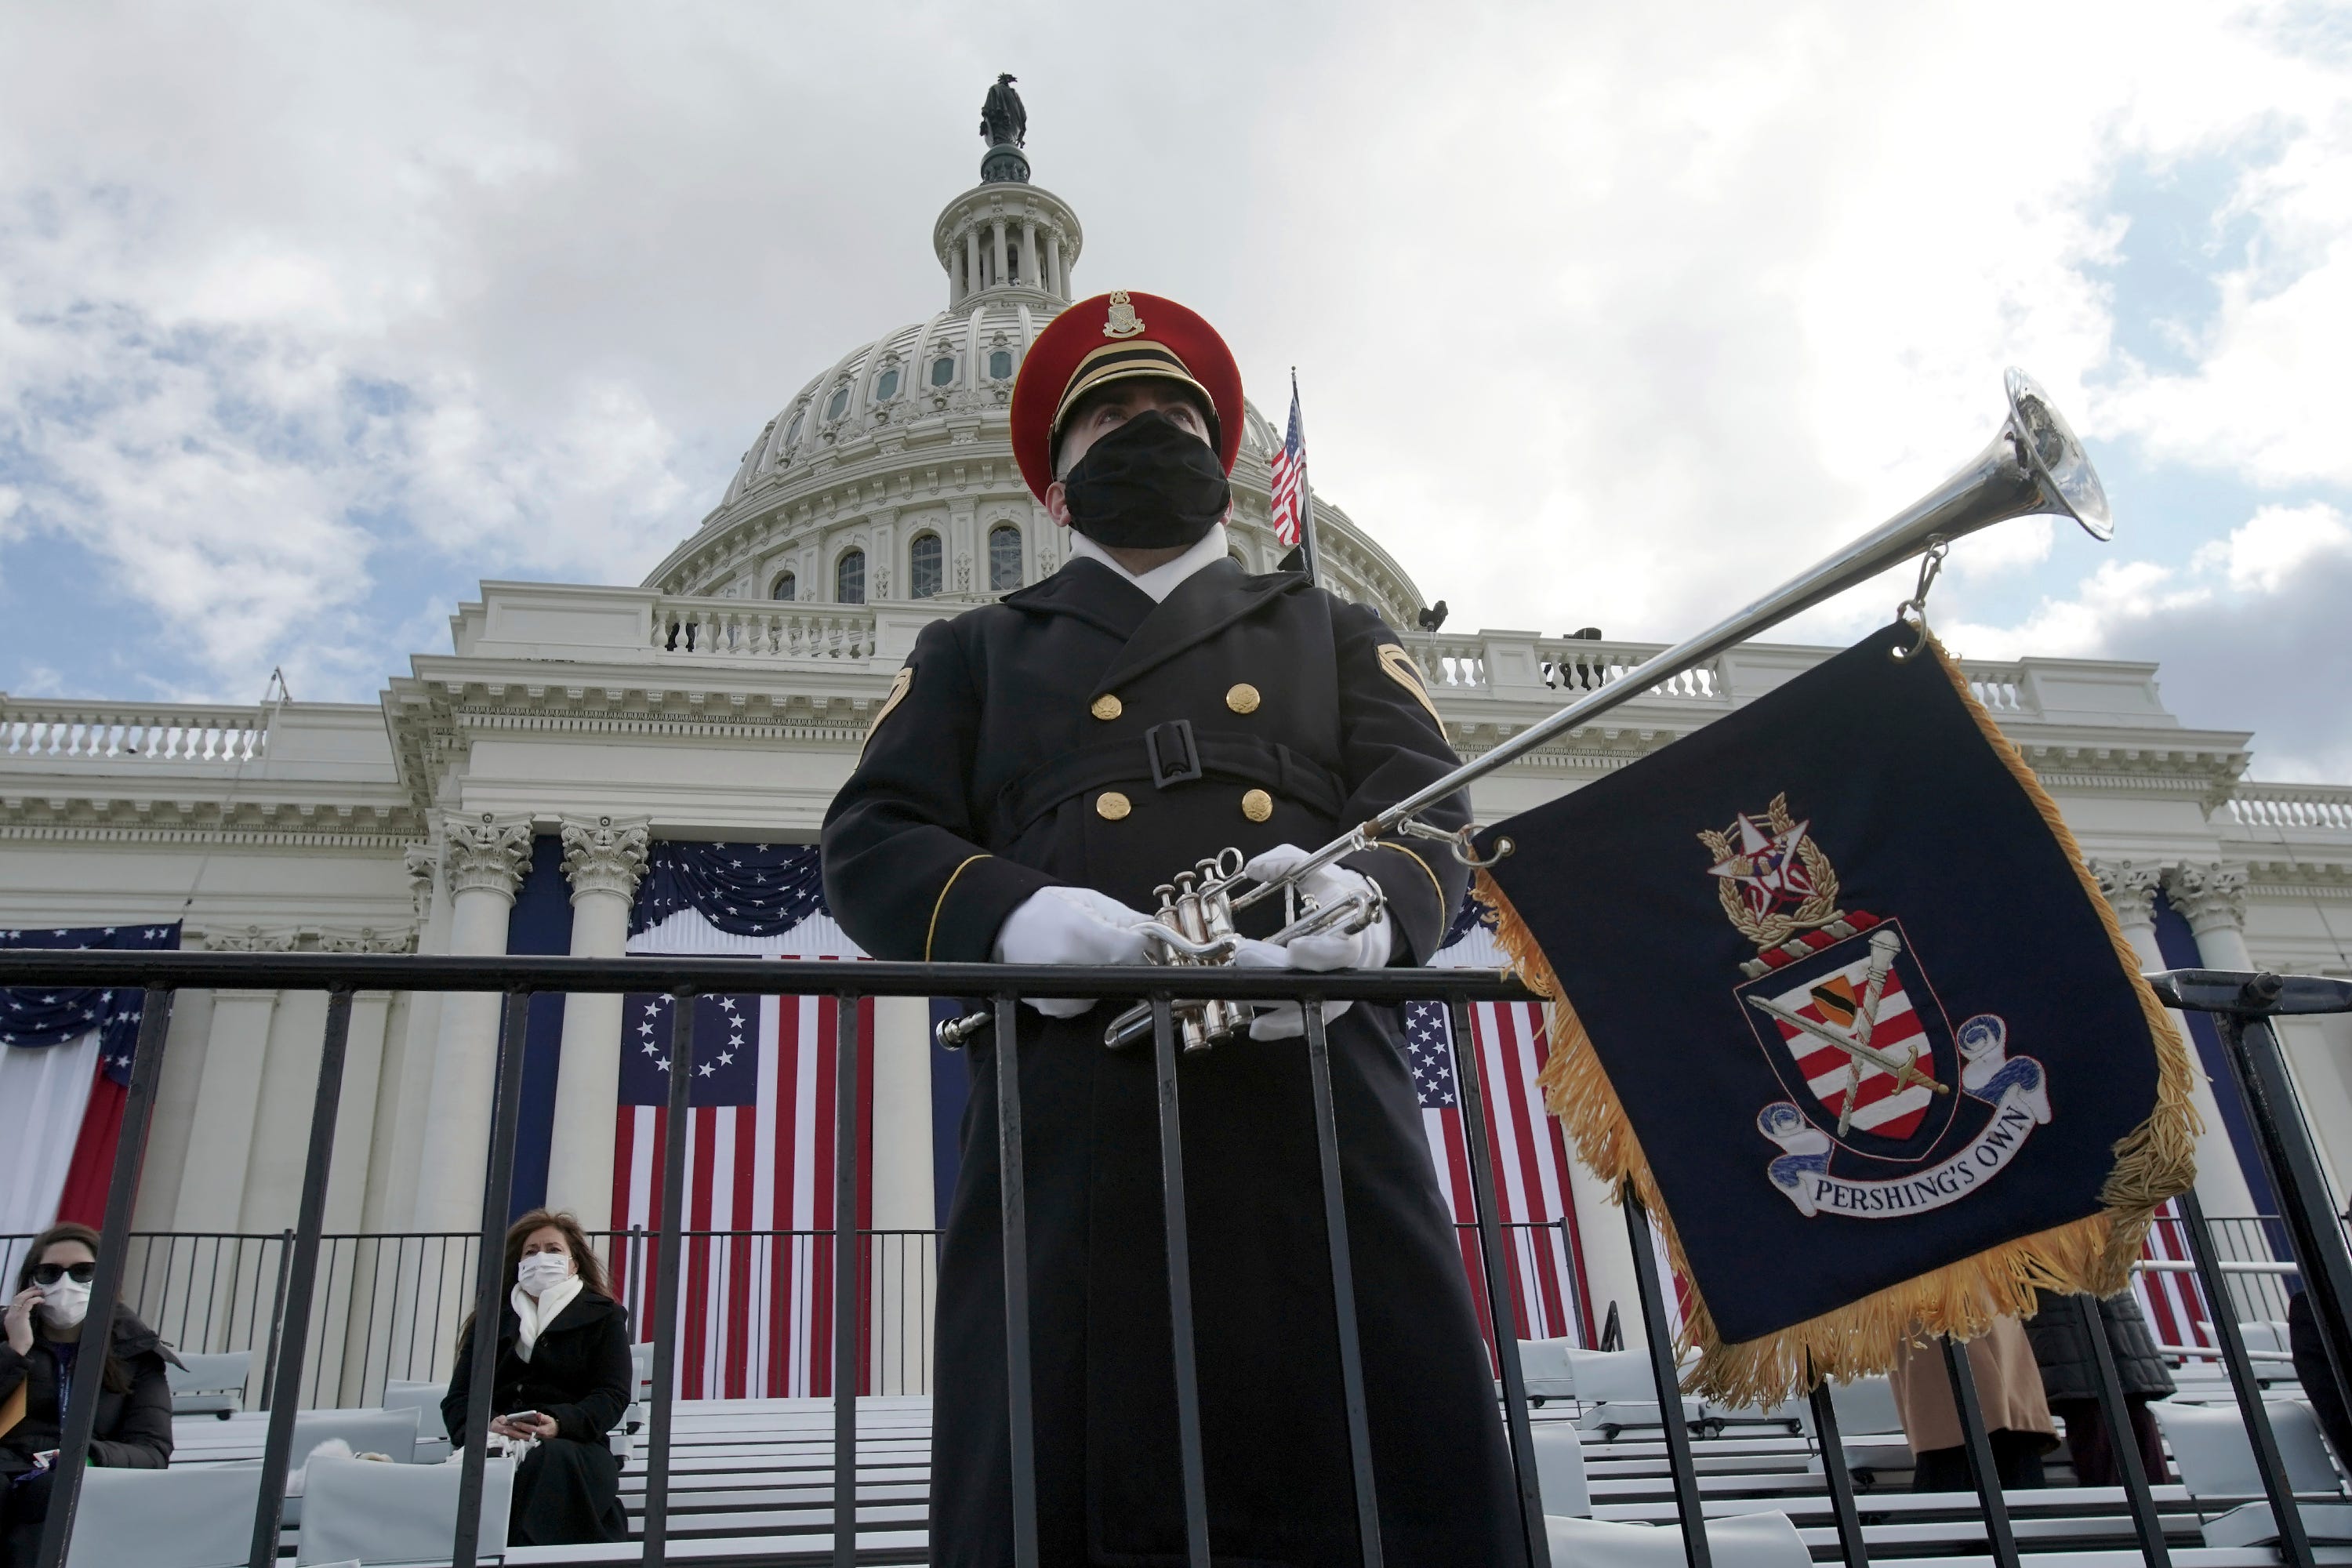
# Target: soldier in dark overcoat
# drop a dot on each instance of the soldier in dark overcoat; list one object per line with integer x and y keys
{"x": 1043, "y": 764}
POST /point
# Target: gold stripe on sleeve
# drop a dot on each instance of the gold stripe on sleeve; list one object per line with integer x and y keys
{"x": 941, "y": 903}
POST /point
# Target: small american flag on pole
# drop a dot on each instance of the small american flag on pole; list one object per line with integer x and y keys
{"x": 1290, "y": 477}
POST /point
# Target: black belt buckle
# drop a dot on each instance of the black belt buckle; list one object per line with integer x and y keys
{"x": 1176, "y": 737}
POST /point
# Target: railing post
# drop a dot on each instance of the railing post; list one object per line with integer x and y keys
{"x": 1690, "y": 1503}
{"x": 2292, "y": 1162}
{"x": 671, "y": 1242}
{"x": 489, "y": 1274}
{"x": 1343, "y": 1285}
{"x": 1180, "y": 1288}
{"x": 1012, "y": 1215}
{"x": 1978, "y": 1449}
{"x": 2124, "y": 1437}
{"x": 113, "y": 1261}
{"x": 1469, "y": 1075}
{"x": 297, "y": 1277}
{"x": 1851, "y": 1547}
{"x": 847, "y": 1318}
{"x": 2293, "y": 1540}
{"x": 277, "y": 1320}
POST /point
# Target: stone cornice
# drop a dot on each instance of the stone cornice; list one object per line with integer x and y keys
{"x": 297, "y": 938}
{"x": 602, "y": 856}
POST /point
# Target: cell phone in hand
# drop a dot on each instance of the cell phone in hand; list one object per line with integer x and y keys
{"x": 521, "y": 1416}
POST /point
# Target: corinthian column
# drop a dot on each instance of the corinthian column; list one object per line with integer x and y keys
{"x": 483, "y": 860}
{"x": 2131, "y": 887}
{"x": 604, "y": 858}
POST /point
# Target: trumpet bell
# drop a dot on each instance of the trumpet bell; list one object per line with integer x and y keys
{"x": 2047, "y": 445}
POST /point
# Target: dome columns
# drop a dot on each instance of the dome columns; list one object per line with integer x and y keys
{"x": 1009, "y": 241}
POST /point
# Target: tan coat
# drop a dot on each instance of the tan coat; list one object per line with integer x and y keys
{"x": 2008, "y": 1389}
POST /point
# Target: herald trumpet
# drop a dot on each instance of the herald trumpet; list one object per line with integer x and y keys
{"x": 2033, "y": 465}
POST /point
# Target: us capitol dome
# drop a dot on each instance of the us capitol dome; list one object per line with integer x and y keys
{"x": 889, "y": 476}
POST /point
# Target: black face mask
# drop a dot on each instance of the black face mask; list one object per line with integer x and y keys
{"x": 1149, "y": 485}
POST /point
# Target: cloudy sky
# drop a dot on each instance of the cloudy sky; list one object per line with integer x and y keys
{"x": 313, "y": 316}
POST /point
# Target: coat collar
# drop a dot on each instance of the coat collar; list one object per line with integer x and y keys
{"x": 1088, "y": 591}
{"x": 1204, "y": 604}
{"x": 579, "y": 1311}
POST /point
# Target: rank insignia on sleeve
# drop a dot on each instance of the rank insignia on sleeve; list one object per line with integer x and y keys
{"x": 1405, "y": 673}
{"x": 1872, "y": 1127}
{"x": 899, "y": 686}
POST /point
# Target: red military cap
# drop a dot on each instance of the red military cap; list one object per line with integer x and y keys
{"x": 1117, "y": 337}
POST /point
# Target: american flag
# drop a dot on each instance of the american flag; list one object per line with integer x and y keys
{"x": 1548, "y": 1298}
{"x": 2174, "y": 1301}
{"x": 1290, "y": 476}
{"x": 756, "y": 1310}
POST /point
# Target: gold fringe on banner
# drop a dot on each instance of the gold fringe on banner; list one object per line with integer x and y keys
{"x": 2155, "y": 1161}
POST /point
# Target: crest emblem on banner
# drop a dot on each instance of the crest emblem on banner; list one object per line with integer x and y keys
{"x": 1890, "y": 1110}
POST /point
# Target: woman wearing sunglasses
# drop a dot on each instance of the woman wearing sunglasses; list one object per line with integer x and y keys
{"x": 39, "y": 1362}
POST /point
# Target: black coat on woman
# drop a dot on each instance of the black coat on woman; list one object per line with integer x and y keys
{"x": 567, "y": 1491}
{"x": 2061, "y": 1335}
{"x": 133, "y": 1430}
{"x": 1015, "y": 756}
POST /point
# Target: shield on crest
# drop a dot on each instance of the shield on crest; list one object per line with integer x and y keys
{"x": 1858, "y": 1039}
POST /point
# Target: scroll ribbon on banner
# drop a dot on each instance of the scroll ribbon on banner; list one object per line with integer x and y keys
{"x": 1831, "y": 986}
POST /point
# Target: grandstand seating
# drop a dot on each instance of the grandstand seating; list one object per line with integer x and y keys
{"x": 752, "y": 1483}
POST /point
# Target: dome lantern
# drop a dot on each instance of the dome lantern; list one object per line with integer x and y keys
{"x": 1006, "y": 239}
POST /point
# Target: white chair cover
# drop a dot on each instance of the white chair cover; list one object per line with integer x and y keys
{"x": 377, "y": 1514}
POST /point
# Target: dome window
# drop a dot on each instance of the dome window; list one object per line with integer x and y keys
{"x": 1000, "y": 365}
{"x": 786, "y": 587}
{"x": 793, "y": 431}
{"x": 943, "y": 371}
{"x": 887, "y": 387}
{"x": 923, "y": 566}
{"x": 849, "y": 578}
{"x": 840, "y": 404}
{"x": 1003, "y": 558}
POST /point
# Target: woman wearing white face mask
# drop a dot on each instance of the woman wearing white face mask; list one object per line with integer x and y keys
{"x": 42, "y": 1358}
{"x": 562, "y": 1378}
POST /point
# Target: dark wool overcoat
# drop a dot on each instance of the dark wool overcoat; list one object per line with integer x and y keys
{"x": 1017, "y": 753}
{"x": 567, "y": 1490}
{"x": 134, "y": 1426}
{"x": 2061, "y": 1336}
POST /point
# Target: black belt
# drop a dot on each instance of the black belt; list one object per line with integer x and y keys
{"x": 1167, "y": 755}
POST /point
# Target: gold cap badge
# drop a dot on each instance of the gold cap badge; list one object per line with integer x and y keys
{"x": 1123, "y": 322}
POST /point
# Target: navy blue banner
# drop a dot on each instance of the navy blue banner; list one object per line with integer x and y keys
{"x": 746, "y": 889}
{"x": 1855, "y": 997}
{"x": 33, "y": 1018}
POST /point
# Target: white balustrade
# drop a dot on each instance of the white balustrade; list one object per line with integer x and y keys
{"x": 2292, "y": 805}
{"x": 1567, "y": 665}
{"x": 116, "y": 732}
{"x": 1999, "y": 687}
{"x": 730, "y": 628}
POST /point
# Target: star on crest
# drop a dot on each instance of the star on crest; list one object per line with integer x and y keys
{"x": 1765, "y": 864}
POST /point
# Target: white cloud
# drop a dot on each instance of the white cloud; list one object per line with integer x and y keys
{"x": 1602, "y": 315}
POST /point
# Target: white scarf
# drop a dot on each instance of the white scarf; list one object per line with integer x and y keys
{"x": 1161, "y": 580}
{"x": 536, "y": 1314}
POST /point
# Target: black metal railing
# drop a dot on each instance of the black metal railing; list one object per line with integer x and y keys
{"x": 2242, "y": 1004}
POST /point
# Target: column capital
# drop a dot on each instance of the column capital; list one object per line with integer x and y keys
{"x": 2211, "y": 897}
{"x": 485, "y": 853}
{"x": 2130, "y": 889}
{"x": 422, "y": 865}
{"x": 604, "y": 854}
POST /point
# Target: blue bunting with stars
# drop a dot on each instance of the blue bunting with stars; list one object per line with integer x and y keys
{"x": 35, "y": 1016}
{"x": 745, "y": 889}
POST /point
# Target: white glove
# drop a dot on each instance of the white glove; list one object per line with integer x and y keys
{"x": 1279, "y": 1020}
{"x": 1366, "y": 949}
{"x": 1071, "y": 925}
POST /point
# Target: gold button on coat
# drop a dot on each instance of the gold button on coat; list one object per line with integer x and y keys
{"x": 1242, "y": 699}
{"x": 1106, "y": 707}
{"x": 1257, "y": 805}
{"x": 1111, "y": 806}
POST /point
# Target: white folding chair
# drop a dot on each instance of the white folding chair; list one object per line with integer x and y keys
{"x": 391, "y": 1433}
{"x": 1543, "y": 1365}
{"x": 210, "y": 1384}
{"x": 198, "y": 1517}
{"x": 1870, "y": 1428}
{"x": 1559, "y": 1472}
{"x": 425, "y": 1398}
{"x": 2216, "y": 1458}
{"x": 1742, "y": 1541}
{"x": 375, "y": 1514}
